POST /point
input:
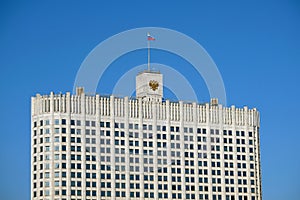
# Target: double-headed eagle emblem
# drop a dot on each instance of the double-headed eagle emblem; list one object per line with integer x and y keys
{"x": 153, "y": 85}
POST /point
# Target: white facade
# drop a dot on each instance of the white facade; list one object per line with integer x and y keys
{"x": 98, "y": 147}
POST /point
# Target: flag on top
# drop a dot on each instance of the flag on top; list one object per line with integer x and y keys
{"x": 150, "y": 37}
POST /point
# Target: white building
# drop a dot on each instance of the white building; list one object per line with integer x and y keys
{"x": 99, "y": 147}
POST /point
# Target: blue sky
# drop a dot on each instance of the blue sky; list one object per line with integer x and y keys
{"x": 255, "y": 45}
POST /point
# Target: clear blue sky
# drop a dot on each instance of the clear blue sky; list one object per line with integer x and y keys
{"x": 255, "y": 45}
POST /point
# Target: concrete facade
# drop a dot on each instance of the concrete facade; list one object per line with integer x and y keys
{"x": 99, "y": 147}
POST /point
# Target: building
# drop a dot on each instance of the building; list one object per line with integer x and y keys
{"x": 100, "y": 147}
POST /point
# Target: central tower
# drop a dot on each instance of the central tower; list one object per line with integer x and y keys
{"x": 149, "y": 85}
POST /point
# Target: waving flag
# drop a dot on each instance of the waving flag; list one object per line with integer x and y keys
{"x": 150, "y": 37}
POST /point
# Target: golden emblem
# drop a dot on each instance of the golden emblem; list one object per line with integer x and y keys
{"x": 153, "y": 85}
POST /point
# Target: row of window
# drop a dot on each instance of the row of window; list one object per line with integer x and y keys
{"x": 146, "y": 160}
{"x": 136, "y": 127}
{"x": 64, "y": 192}
{"x": 134, "y": 143}
{"x": 64, "y": 184}
{"x": 146, "y": 194}
{"x": 160, "y": 178}
{"x": 151, "y": 186}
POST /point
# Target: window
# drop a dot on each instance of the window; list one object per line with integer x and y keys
{"x": 144, "y": 127}
{"x": 56, "y": 139}
{"x": 47, "y": 148}
{"x": 107, "y": 133}
{"x": 56, "y": 183}
{"x": 101, "y": 124}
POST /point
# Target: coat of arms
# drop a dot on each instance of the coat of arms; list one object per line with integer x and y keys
{"x": 153, "y": 85}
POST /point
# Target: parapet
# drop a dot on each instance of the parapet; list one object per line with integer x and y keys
{"x": 212, "y": 113}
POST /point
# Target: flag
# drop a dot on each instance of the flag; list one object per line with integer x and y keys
{"x": 150, "y": 37}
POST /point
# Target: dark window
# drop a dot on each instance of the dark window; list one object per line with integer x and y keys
{"x": 101, "y": 124}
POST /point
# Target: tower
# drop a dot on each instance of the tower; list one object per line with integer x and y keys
{"x": 149, "y": 85}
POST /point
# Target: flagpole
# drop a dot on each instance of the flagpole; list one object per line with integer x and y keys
{"x": 149, "y": 55}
